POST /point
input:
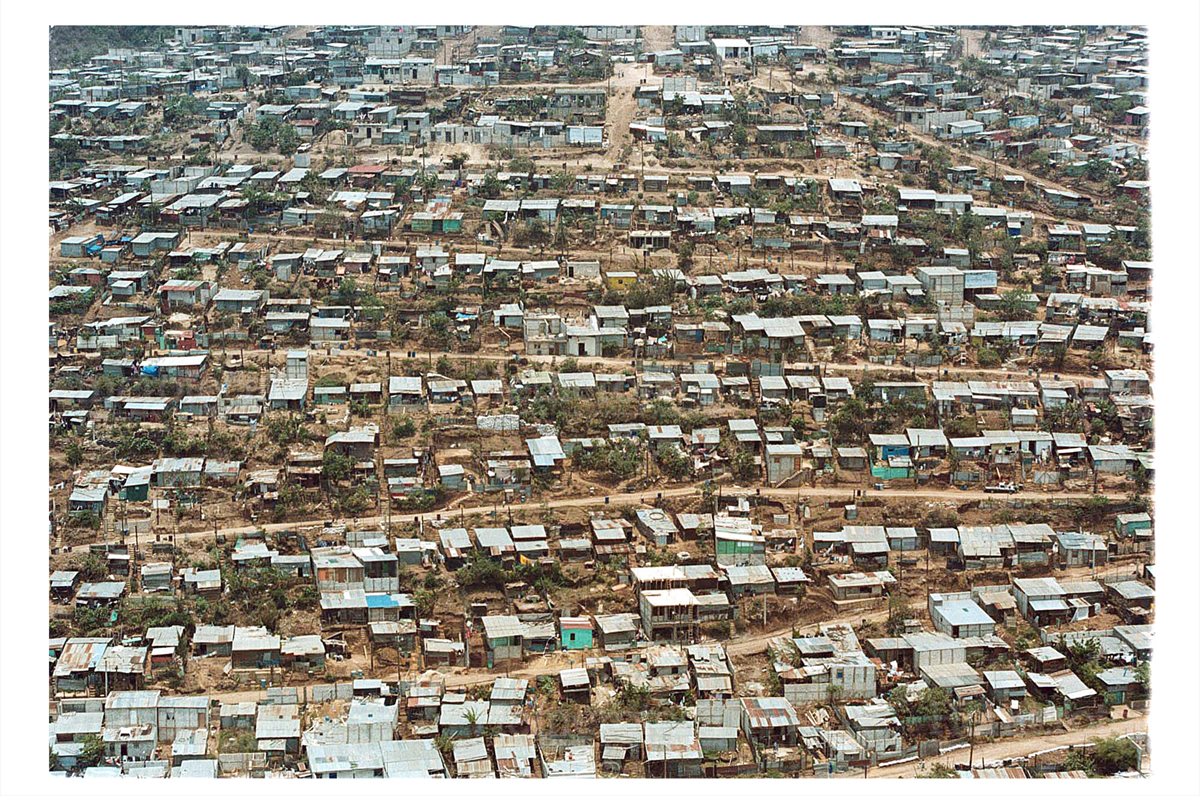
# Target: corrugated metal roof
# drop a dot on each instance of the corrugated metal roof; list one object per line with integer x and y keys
{"x": 770, "y": 712}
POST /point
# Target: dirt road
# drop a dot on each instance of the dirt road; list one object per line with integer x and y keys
{"x": 549, "y": 664}
{"x": 628, "y": 498}
{"x": 618, "y": 364}
{"x": 994, "y": 752}
{"x": 753, "y": 644}
{"x": 620, "y": 111}
{"x": 959, "y": 156}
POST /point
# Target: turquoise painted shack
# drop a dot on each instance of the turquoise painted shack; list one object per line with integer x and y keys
{"x": 575, "y": 633}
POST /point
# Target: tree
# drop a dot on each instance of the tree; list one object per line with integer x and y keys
{"x": 1091, "y": 512}
{"x": 848, "y": 423}
{"x": 259, "y": 199}
{"x": 1097, "y": 169}
{"x": 661, "y": 412}
{"x": 633, "y": 699}
{"x": 933, "y": 702}
{"x": 424, "y": 600}
{"x": 521, "y": 165}
{"x": 92, "y": 752}
{"x": 72, "y": 304}
{"x": 74, "y": 453}
{"x": 674, "y": 145}
{"x": 73, "y": 44}
{"x": 1013, "y": 305}
{"x": 270, "y": 133}
{"x": 799, "y": 426}
{"x": 987, "y": 357}
{"x": 685, "y": 251}
{"x": 335, "y": 466}
{"x": 491, "y": 188}
{"x": 64, "y": 155}
{"x": 183, "y": 110}
{"x": 621, "y": 459}
{"x": 1055, "y": 355}
{"x": 403, "y": 427}
{"x": 674, "y": 463}
{"x": 1141, "y": 479}
{"x": 1113, "y": 755}
{"x": 1141, "y": 674}
{"x": 532, "y": 234}
{"x": 1083, "y": 658}
{"x": 347, "y": 292}
{"x": 480, "y": 572}
{"x": 284, "y": 430}
{"x": 1068, "y": 417}
{"x": 562, "y": 237}
{"x": 965, "y": 425}
{"x": 742, "y": 466}
{"x": 899, "y": 612}
{"x": 356, "y": 501}
{"x": 562, "y": 181}
{"x": 437, "y": 325}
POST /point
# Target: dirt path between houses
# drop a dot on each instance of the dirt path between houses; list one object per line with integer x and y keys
{"x": 959, "y": 156}
{"x": 747, "y": 644}
{"x": 620, "y": 111}
{"x": 618, "y": 364}
{"x": 992, "y": 752}
{"x": 550, "y": 663}
{"x": 647, "y": 497}
{"x": 753, "y": 644}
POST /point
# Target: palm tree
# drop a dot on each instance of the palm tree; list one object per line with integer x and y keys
{"x": 444, "y": 743}
{"x": 472, "y": 716}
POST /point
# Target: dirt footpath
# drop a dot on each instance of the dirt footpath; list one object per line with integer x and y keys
{"x": 628, "y": 498}
{"x": 658, "y": 37}
{"x": 1009, "y": 748}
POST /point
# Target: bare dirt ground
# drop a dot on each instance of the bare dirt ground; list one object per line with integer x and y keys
{"x": 820, "y": 35}
{"x": 959, "y": 156}
{"x": 741, "y": 646}
{"x": 972, "y": 41}
{"x": 621, "y": 109}
{"x": 648, "y": 496}
{"x": 991, "y": 752}
{"x": 658, "y": 37}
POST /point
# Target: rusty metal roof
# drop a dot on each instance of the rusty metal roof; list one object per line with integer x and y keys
{"x": 770, "y": 712}
{"x": 80, "y": 655}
